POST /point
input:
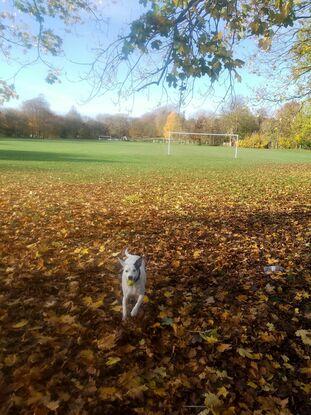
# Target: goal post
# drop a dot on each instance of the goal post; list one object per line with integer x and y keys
{"x": 203, "y": 138}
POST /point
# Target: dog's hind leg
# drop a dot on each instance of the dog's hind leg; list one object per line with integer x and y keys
{"x": 137, "y": 305}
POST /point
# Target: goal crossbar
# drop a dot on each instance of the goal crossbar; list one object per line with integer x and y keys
{"x": 235, "y": 136}
{"x": 187, "y": 133}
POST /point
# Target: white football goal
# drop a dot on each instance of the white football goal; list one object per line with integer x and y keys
{"x": 212, "y": 139}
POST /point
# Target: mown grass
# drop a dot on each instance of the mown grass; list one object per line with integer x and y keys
{"x": 93, "y": 161}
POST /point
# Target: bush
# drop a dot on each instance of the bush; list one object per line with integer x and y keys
{"x": 303, "y": 136}
{"x": 259, "y": 140}
{"x": 287, "y": 142}
{"x": 256, "y": 140}
{"x": 306, "y": 142}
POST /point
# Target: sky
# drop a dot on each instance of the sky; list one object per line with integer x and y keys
{"x": 78, "y": 46}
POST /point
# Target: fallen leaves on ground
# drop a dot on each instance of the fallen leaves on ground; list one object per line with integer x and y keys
{"x": 216, "y": 334}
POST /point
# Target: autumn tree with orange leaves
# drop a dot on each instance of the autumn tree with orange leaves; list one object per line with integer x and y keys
{"x": 173, "y": 123}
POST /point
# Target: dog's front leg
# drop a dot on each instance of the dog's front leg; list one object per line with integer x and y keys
{"x": 137, "y": 305}
{"x": 124, "y": 307}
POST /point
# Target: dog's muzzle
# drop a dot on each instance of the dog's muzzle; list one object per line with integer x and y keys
{"x": 131, "y": 280}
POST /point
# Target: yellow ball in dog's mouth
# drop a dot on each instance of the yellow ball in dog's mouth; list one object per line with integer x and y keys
{"x": 130, "y": 283}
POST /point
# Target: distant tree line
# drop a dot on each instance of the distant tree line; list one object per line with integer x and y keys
{"x": 289, "y": 127}
{"x": 35, "y": 119}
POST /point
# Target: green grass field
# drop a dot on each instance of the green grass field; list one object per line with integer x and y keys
{"x": 89, "y": 160}
{"x": 215, "y": 333}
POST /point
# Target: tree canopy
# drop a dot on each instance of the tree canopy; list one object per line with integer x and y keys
{"x": 172, "y": 43}
{"x": 36, "y": 27}
{"x": 190, "y": 39}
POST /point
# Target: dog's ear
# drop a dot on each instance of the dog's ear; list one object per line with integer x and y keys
{"x": 138, "y": 263}
{"x": 121, "y": 262}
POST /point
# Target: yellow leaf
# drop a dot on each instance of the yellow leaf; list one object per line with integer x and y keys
{"x": 107, "y": 342}
{"x": 267, "y": 337}
{"x": 88, "y": 301}
{"x": 35, "y": 397}
{"x": 265, "y": 43}
{"x": 10, "y": 360}
{"x": 223, "y": 347}
{"x": 160, "y": 371}
{"x": 137, "y": 391}
{"x": 242, "y": 297}
{"x": 112, "y": 361}
{"x": 66, "y": 319}
{"x": 263, "y": 297}
{"x": 252, "y": 385}
{"x": 306, "y": 371}
{"x": 159, "y": 391}
{"x": 211, "y": 339}
{"x": 305, "y": 336}
{"x": 270, "y": 326}
{"x": 306, "y": 387}
{"x": 20, "y": 324}
{"x": 197, "y": 254}
{"x": 168, "y": 294}
{"x": 146, "y": 299}
{"x": 212, "y": 401}
{"x": 164, "y": 314}
{"x": 82, "y": 251}
{"x": 52, "y": 405}
{"x": 222, "y": 392}
{"x": 116, "y": 308}
{"x": 248, "y": 353}
{"x": 107, "y": 393}
{"x": 210, "y": 336}
{"x": 176, "y": 263}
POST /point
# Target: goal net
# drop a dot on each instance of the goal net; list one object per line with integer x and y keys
{"x": 211, "y": 139}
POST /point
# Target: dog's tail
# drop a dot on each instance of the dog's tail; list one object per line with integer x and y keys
{"x": 127, "y": 254}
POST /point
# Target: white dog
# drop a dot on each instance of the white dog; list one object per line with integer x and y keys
{"x": 133, "y": 281}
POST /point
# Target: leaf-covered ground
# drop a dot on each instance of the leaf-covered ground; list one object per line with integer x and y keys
{"x": 216, "y": 335}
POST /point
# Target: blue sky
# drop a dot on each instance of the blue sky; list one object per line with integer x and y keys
{"x": 78, "y": 46}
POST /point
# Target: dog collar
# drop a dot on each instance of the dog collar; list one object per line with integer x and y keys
{"x": 138, "y": 276}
